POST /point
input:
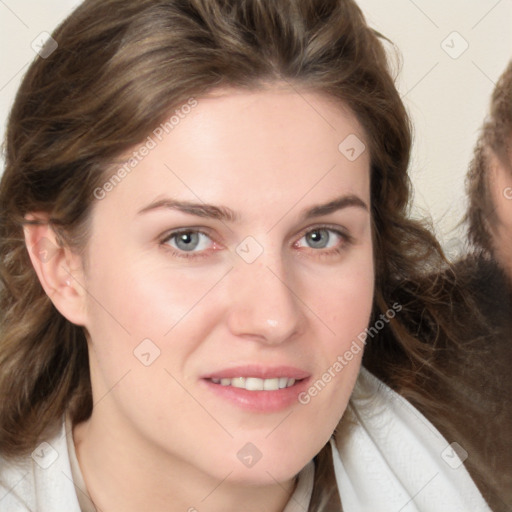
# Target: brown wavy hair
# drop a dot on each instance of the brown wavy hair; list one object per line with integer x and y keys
{"x": 495, "y": 137}
{"x": 120, "y": 67}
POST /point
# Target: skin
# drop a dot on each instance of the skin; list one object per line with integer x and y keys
{"x": 158, "y": 438}
{"x": 500, "y": 181}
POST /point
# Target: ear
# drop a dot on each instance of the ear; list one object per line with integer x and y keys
{"x": 58, "y": 268}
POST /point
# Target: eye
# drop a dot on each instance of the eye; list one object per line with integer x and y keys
{"x": 189, "y": 241}
{"x": 322, "y": 238}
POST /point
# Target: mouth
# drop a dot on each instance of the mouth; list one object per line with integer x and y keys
{"x": 258, "y": 389}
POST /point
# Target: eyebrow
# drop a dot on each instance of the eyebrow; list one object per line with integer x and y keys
{"x": 339, "y": 203}
{"x": 198, "y": 209}
{"x": 224, "y": 213}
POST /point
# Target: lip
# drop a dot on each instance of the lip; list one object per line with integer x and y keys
{"x": 260, "y": 372}
{"x": 258, "y": 401}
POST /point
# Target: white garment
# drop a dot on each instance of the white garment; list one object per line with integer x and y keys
{"x": 387, "y": 457}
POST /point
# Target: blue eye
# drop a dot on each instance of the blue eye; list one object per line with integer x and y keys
{"x": 189, "y": 241}
{"x": 321, "y": 238}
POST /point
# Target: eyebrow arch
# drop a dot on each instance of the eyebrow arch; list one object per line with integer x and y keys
{"x": 199, "y": 209}
{"x": 223, "y": 213}
{"x": 339, "y": 203}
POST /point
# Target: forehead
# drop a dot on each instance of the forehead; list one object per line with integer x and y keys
{"x": 278, "y": 117}
{"x": 240, "y": 147}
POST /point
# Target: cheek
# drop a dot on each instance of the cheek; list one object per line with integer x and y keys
{"x": 343, "y": 308}
{"x": 144, "y": 295}
{"x": 502, "y": 232}
{"x": 500, "y": 182}
{"x": 504, "y": 208}
{"x": 144, "y": 312}
{"x": 345, "y": 298}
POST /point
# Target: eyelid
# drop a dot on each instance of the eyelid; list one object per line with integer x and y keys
{"x": 165, "y": 237}
{"x": 339, "y": 230}
{"x": 204, "y": 231}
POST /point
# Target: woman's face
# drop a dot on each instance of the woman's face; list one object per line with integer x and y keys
{"x": 501, "y": 190}
{"x": 235, "y": 255}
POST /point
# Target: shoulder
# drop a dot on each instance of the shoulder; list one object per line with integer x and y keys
{"x": 41, "y": 481}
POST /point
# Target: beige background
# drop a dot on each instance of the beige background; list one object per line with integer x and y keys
{"x": 445, "y": 86}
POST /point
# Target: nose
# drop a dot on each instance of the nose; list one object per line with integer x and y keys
{"x": 264, "y": 305}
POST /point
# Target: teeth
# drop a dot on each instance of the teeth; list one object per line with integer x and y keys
{"x": 255, "y": 384}
{"x": 271, "y": 384}
{"x": 238, "y": 382}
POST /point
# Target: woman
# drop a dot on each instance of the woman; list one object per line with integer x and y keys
{"x": 490, "y": 180}
{"x": 204, "y": 223}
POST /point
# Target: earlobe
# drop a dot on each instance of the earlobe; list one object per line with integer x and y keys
{"x": 57, "y": 267}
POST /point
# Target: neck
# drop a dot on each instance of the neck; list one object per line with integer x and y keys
{"x": 141, "y": 478}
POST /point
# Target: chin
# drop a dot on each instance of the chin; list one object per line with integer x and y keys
{"x": 260, "y": 462}
{"x": 275, "y": 469}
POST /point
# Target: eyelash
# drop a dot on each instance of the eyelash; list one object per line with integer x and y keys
{"x": 346, "y": 239}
